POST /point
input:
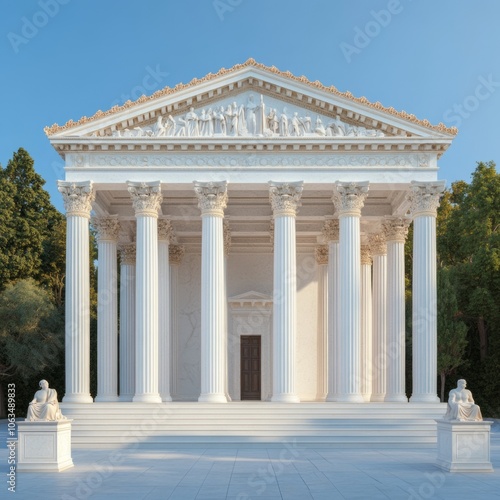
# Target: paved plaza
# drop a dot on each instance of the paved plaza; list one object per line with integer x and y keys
{"x": 281, "y": 472}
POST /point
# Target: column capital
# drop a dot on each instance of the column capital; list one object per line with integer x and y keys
{"x": 424, "y": 197}
{"x": 349, "y": 197}
{"x": 176, "y": 254}
{"x": 378, "y": 245}
{"x": 165, "y": 230}
{"x": 146, "y": 197}
{"x": 285, "y": 197}
{"x": 77, "y": 197}
{"x": 227, "y": 236}
{"x": 366, "y": 255}
{"x": 331, "y": 230}
{"x": 396, "y": 228}
{"x": 321, "y": 254}
{"x": 107, "y": 227}
{"x": 212, "y": 197}
{"x": 127, "y": 253}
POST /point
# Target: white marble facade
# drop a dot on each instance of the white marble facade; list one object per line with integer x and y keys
{"x": 277, "y": 201}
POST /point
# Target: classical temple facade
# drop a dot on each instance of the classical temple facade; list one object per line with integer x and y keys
{"x": 251, "y": 229}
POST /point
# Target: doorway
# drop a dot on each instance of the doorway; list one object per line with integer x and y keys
{"x": 250, "y": 367}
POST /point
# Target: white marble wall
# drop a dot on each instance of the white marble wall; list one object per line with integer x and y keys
{"x": 245, "y": 273}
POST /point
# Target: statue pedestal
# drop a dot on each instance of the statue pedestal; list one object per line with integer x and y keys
{"x": 463, "y": 446}
{"x": 44, "y": 446}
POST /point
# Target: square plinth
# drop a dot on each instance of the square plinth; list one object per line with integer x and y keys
{"x": 463, "y": 446}
{"x": 44, "y": 446}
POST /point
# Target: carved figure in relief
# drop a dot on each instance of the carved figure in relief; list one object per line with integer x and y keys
{"x": 44, "y": 405}
{"x": 307, "y": 124}
{"x": 283, "y": 128}
{"x": 219, "y": 122}
{"x": 251, "y": 115}
{"x": 206, "y": 125}
{"x": 170, "y": 126}
{"x": 461, "y": 404}
{"x": 192, "y": 126}
{"x": 296, "y": 125}
{"x": 159, "y": 129}
{"x": 272, "y": 121}
{"x": 319, "y": 128}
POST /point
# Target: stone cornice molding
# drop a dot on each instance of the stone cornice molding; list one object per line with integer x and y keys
{"x": 349, "y": 197}
{"x": 396, "y": 228}
{"x": 331, "y": 230}
{"x": 107, "y": 227}
{"x": 227, "y": 237}
{"x": 176, "y": 254}
{"x": 77, "y": 197}
{"x": 146, "y": 197}
{"x": 165, "y": 230}
{"x": 127, "y": 254}
{"x": 366, "y": 255}
{"x": 321, "y": 254}
{"x": 285, "y": 197}
{"x": 378, "y": 245}
{"x": 424, "y": 197}
{"x": 212, "y": 197}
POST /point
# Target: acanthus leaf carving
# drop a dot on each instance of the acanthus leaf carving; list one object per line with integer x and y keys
{"x": 378, "y": 244}
{"x": 146, "y": 197}
{"x": 331, "y": 230}
{"x": 285, "y": 197}
{"x": 321, "y": 254}
{"x": 165, "y": 230}
{"x": 349, "y": 197}
{"x": 212, "y": 197}
{"x": 424, "y": 197}
{"x": 396, "y": 228}
{"x": 77, "y": 197}
{"x": 107, "y": 228}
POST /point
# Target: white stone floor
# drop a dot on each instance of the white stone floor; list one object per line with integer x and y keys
{"x": 283, "y": 472}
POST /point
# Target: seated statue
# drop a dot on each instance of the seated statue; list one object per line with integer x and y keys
{"x": 44, "y": 405}
{"x": 461, "y": 405}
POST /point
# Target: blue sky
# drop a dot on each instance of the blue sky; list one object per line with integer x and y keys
{"x": 63, "y": 59}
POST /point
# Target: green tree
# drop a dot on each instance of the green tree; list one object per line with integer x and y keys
{"x": 451, "y": 331}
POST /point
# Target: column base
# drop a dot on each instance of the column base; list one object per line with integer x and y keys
{"x": 212, "y": 398}
{"x": 285, "y": 398}
{"x": 424, "y": 398}
{"x": 146, "y": 398}
{"x": 106, "y": 399}
{"x": 396, "y": 398}
{"x": 77, "y": 398}
{"x": 377, "y": 398}
{"x": 331, "y": 398}
{"x": 350, "y": 398}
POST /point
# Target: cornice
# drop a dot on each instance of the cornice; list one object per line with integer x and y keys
{"x": 271, "y": 70}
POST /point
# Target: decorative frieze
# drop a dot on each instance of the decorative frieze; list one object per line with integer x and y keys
{"x": 176, "y": 254}
{"x": 212, "y": 197}
{"x": 424, "y": 197}
{"x": 165, "y": 230}
{"x": 378, "y": 245}
{"x": 331, "y": 230}
{"x": 396, "y": 228}
{"x": 366, "y": 256}
{"x": 107, "y": 228}
{"x": 321, "y": 254}
{"x": 285, "y": 197}
{"x": 146, "y": 197}
{"x": 77, "y": 197}
{"x": 127, "y": 253}
{"x": 349, "y": 197}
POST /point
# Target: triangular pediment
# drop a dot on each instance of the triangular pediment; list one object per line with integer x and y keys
{"x": 250, "y": 100}
{"x": 251, "y": 298}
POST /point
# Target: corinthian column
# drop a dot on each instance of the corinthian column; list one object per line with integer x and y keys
{"x": 366, "y": 323}
{"x": 331, "y": 234}
{"x": 127, "y": 321}
{"x": 146, "y": 200}
{"x": 378, "y": 249}
{"x": 78, "y": 198}
{"x": 107, "y": 229}
{"x": 285, "y": 198}
{"x": 212, "y": 200}
{"x": 424, "y": 199}
{"x": 321, "y": 254}
{"x": 396, "y": 230}
{"x": 349, "y": 200}
{"x": 164, "y": 237}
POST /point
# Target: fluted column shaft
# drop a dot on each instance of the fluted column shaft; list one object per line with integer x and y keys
{"x": 164, "y": 235}
{"x": 107, "y": 229}
{"x": 424, "y": 198}
{"x": 78, "y": 199}
{"x": 366, "y": 323}
{"x": 396, "y": 230}
{"x": 349, "y": 199}
{"x": 127, "y": 322}
{"x": 379, "y": 317}
{"x": 331, "y": 234}
{"x": 284, "y": 200}
{"x": 146, "y": 198}
{"x": 322, "y": 350}
{"x": 212, "y": 198}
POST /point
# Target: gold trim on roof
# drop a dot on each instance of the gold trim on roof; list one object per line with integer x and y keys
{"x": 440, "y": 127}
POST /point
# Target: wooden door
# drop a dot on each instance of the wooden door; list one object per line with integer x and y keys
{"x": 250, "y": 367}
